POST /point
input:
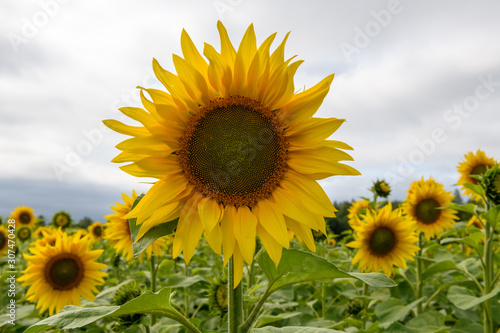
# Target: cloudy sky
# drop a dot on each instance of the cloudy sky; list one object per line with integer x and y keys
{"x": 417, "y": 81}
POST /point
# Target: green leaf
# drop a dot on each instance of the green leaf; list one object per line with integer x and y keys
{"x": 184, "y": 281}
{"x": 392, "y": 310}
{"x": 293, "y": 329}
{"x": 72, "y": 317}
{"x": 468, "y": 208}
{"x": 475, "y": 188}
{"x": 153, "y": 234}
{"x": 474, "y": 239}
{"x": 267, "y": 319}
{"x": 492, "y": 216}
{"x": 75, "y": 316}
{"x": 376, "y": 280}
{"x": 299, "y": 266}
{"x": 464, "y": 298}
{"x": 442, "y": 266}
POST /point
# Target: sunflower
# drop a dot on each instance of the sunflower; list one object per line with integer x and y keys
{"x": 357, "y": 209}
{"x": 118, "y": 234}
{"x": 23, "y": 233}
{"x": 235, "y": 150}
{"x": 60, "y": 275}
{"x": 24, "y": 217}
{"x": 491, "y": 184}
{"x": 381, "y": 188}
{"x": 61, "y": 219}
{"x": 423, "y": 205}
{"x": 96, "y": 230}
{"x": 474, "y": 165}
{"x": 80, "y": 233}
{"x": 386, "y": 239}
{"x": 4, "y": 240}
{"x": 49, "y": 236}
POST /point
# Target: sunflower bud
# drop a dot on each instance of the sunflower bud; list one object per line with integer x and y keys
{"x": 381, "y": 188}
{"x": 491, "y": 184}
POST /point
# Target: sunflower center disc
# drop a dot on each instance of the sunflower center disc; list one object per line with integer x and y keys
{"x": 24, "y": 234}
{"x": 98, "y": 231}
{"x": 234, "y": 151}
{"x": 64, "y": 271}
{"x": 221, "y": 295}
{"x": 478, "y": 170}
{"x": 61, "y": 220}
{"x": 24, "y": 218}
{"x": 427, "y": 211}
{"x": 382, "y": 240}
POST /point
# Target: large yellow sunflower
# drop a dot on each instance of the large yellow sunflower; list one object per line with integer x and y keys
{"x": 386, "y": 239}
{"x": 235, "y": 149}
{"x": 423, "y": 205}
{"x": 117, "y": 232}
{"x": 24, "y": 217}
{"x": 474, "y": 164}
{"x": 355, "y": 211}
{"x": 60, "y": 275}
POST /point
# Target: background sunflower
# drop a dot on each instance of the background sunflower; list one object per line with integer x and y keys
{"x": 424, "y": 204}
{"x": 387, "y": 239}
{"x": 60, "y": 275}
{"x": 474, "y": 165}
{"x": 24, "y": 217}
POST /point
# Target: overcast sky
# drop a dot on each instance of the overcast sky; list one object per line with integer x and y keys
{"x": 417, "y": 81}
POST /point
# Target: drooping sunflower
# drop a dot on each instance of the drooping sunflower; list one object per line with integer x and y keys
{"x": 60, "y": 275}
{"x": 61, "y": 219}
{"x": 474, "y": 165}
{"x": 356, "y": 210}
{"x": 24, "y": 217}
{"x": 491, "y": 184}
{"x": 235, "y": 149}
{"x": 117, "y": 232}
{"x": 96, "y": 231}
{"x": 423, "y": 205}
{"x": 387, "y": 239}
{"x": 4, "y": 240}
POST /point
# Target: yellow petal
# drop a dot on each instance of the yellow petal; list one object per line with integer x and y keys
{"x": 145, "y": 145}
{"x": 312, "y": 131}
{"x": 272, "y": 247}
{"x": 245, "y": 228}
{"x": 271, "y": 219}
{"x": 214, "y": 238}
{"x": 302, "y": 231}
{"x": 210, "y": 213}
{"x": 305, "y": 104}
{"x": 227, "y": 223}
{"x": 310, "y": 194}
{"x": 237, "y": 266}
{"x": 140, "y": 115}
{"x": 191, "y": 53}
{"x": 194, "y": 83}
{"x": 227, "y": 49}
{"x": 246, "y": 53}
{"x": 120, "y": 127}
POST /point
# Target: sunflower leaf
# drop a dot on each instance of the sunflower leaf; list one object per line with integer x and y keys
{"x": 442, "y": 266}
{"x": 468, "y": 208}
{"x": 392, "y": 310}
{"x": 475, "y": 188}
{"x": 492, "y": 216}
{"x": 293, "y": 329}
{"x": 464, "y": 298}
{"x": 299, "y": 266}
{"x": 153, "y": 234}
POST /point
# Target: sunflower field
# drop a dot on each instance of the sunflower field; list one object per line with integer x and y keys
{"x": 236, "y": 234}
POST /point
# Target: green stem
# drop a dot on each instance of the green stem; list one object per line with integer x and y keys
{"x": 323, "y": 300}
{"x": 245, "y": 327}
{"x": 186, "y": 295}
{"x": 420, "y": 268}
{"x": 433, "y": 295}
{"x": 488, "y": 277}
{"x": 235, "y": 302}
{"x": 153, "y": 284}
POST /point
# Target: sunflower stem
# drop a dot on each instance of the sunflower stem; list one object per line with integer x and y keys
{"x": 153, "y": 284}
{"x": 420, "y": 269}
{"x": 488, "y": 277}
{"x": 235, "y": 299}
